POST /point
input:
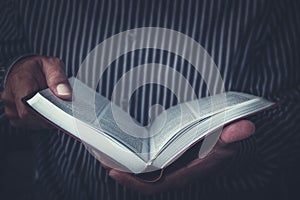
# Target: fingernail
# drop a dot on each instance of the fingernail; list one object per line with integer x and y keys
{"x": 63, "y": 89}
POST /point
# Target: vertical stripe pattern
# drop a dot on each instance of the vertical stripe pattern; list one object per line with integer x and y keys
{"x": 255, "y": 45}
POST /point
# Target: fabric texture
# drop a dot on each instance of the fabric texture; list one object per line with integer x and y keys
{"x": 255, "y": 45}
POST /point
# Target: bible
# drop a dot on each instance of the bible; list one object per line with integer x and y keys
{"x": 106, "y": 127}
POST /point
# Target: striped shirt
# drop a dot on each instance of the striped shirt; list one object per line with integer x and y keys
{"x": 254, "y": 44}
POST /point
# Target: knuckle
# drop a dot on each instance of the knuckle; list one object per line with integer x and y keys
{"x": 9, "y": 113}
{"x": 23, "y": 113}
{"x": 53, "y": 73}
{"x": 55, "y": 76}
{"x": 54, "y": 61}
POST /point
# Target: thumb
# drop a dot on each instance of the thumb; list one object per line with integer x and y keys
{"x": 56, "y": 78}
{"x": 237, "y": 131}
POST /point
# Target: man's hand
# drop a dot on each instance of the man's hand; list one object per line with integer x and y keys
{"x": 30, "y": 75}
{"x": 199, "y": 168}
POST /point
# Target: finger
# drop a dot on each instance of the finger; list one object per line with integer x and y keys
{"x": 170, "y": 181}
{"x": 203, "y": 166}
{"x": 23, "y": 86}
{"x": 196, "y": 169}
{"x": 7, "y": 97}
{"x": 56, "y": 78}
{"x": 237, "y": 131}
{"x": 199, "y": 168}
{"x": 106, "y": 161}
{"x": 11, "y": 112}
{"x": 20, "y": 83}
{"x": 100, "y": 158}
{"x": 135, "y": 183}
{"x": 31, "y": 122}
{"x": 97, "y": 154}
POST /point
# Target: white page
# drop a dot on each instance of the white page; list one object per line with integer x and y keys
{"x": 96, "y": 113}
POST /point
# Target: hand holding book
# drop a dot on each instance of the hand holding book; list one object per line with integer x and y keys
{"x": 36, "y": 73}
{"x": 225, "y": 148}
{"x": 185, "y": 125}
{"x": 28, "y": 75}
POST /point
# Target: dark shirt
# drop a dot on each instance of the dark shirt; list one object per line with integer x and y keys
{"x": 254, "y": 44}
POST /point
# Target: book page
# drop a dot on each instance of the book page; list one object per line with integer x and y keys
{"x": 81, "y": 112}
{"x": 168, "y": 123}
{"x": 80, "y": 106}
{"x": 109, "y": 125}
{"x": 184, "y": 115}
{"x": 210, "y": 105}
{"x": 208, "y": 126}
{"x": 95, "y": 110}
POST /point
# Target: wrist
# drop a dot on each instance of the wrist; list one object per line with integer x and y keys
{"x": 10, "y": 66}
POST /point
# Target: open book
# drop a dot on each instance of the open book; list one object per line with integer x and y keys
{"x": 94, "y": 120}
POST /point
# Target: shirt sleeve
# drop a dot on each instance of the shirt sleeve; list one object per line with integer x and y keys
{"x": 14, "y": 44}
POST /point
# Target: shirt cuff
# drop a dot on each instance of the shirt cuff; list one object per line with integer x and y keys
{"x": 11, "y": 65}
{"x": 4, "y": 72}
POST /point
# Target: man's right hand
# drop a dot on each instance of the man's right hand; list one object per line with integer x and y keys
{"x": 30, "y": 75}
